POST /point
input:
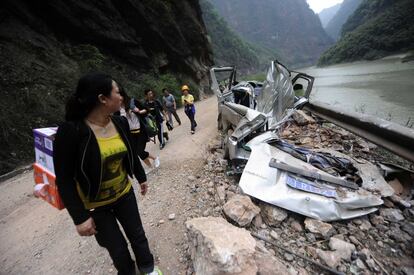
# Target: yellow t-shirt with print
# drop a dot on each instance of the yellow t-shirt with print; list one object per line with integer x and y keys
{"x": 189, "y": 98}
{"x": 114, "y": 178}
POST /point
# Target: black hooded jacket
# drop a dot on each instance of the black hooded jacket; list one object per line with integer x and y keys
{"x": 77, "y": 158}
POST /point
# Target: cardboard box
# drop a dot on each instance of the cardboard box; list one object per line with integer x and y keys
{"x": 43, "y": 142}
{"x": 44, "y": 160}
{"x": 49, "y": 191}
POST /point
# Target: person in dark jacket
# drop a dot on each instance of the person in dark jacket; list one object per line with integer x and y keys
{"x": 135, "y": 112}
{"x": 154, "y": 107}
{"x": 93, "y": 159}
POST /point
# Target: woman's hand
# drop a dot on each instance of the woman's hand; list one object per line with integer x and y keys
{"x": 87, "y": 228}
{"x": 144, "y": 188}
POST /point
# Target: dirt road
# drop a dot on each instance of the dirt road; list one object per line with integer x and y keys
{"x": 35, "y": 238}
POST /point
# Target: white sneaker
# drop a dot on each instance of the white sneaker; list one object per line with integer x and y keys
{"x": 156, "y": 271}
{"x": 157, "y": 162}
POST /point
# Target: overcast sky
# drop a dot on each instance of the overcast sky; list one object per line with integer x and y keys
{"x": 318, "y": 5}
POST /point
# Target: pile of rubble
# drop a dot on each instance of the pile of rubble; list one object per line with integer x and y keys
{"x": 220, "y": 243}
{"x": 304, "y": 130}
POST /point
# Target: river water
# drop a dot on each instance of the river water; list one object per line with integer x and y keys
{"x": 383, "y": 88}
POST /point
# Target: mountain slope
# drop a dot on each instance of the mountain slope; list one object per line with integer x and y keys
{"x": 334, "y": 27}
{"x": 228, "y": 47}
{"x": 378, "y": 28}
{"x": 288, "y": 28}
{"x": 366, "y": 11}
{"x": 327, "y": 14}
{"x": 45, "y": 46}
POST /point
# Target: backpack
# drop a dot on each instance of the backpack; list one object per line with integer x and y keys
{"x": 151, "y": 126}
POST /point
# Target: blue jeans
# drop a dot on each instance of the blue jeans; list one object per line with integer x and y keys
{"x": 190, "y": 112}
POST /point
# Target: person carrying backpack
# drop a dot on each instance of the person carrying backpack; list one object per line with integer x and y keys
{"x": 135, "y": 113}
{"x": 154, "y": 108}
{"x": 187, "y": 100}
{"x": 94, "y": 159}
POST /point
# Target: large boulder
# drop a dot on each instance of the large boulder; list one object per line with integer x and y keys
{"x": 241, "y": 209}
{"x": 219, "y": 248}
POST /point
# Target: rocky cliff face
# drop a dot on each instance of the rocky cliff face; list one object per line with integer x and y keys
{"x": 289, "y": 28}
{"x": 45, "y": 46}
{"x": 145, "y": 34}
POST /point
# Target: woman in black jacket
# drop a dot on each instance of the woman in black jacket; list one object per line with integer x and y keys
{"x": 93, "y": 157}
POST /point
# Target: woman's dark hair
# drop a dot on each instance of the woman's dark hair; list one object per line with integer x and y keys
{"x": 125, "y": 96}
{"x": 146, "y": 91}
{"x": 85, "y": 99}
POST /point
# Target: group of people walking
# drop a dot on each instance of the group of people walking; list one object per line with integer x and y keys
{"x": 96, "y": 152}
{"x": 161, "y": 111}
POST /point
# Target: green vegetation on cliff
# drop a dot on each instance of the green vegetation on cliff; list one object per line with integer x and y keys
{"x": 365, "y": 12}
{"x": 334, "y": 26}
{"x": 289, "y": 29}
{"x": 228, "y": 47}
{"x": 34, "y": 98}
{"x": 46, "y": 46}
{"x": 378, "y": 28}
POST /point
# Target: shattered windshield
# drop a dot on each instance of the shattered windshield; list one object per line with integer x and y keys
{"x": 221, "y": 79}
{"x": 277, "y": 94}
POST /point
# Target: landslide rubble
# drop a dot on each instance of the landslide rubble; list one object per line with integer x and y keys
{"x": 377, "y": 243}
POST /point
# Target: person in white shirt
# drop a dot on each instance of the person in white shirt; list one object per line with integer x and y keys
{"x": 139, "y": 136}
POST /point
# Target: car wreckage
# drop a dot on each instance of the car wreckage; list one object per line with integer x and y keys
{"x": 320, "y": 183}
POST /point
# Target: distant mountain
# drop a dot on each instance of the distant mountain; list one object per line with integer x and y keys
{"x": 327, "y": 14}
{"x": 334, "y": 26}
{"x": 228, "y": 47}
{"x": 376, "y": 29}
{"x": 289, "y": 29}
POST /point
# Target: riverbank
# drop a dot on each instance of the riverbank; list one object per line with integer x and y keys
{"x": 383, "y": 88}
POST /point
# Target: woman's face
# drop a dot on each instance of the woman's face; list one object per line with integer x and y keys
{"x": 185, "y": 92}
{"x": 150, "y": 95}
{"x": 114, "y": 101}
